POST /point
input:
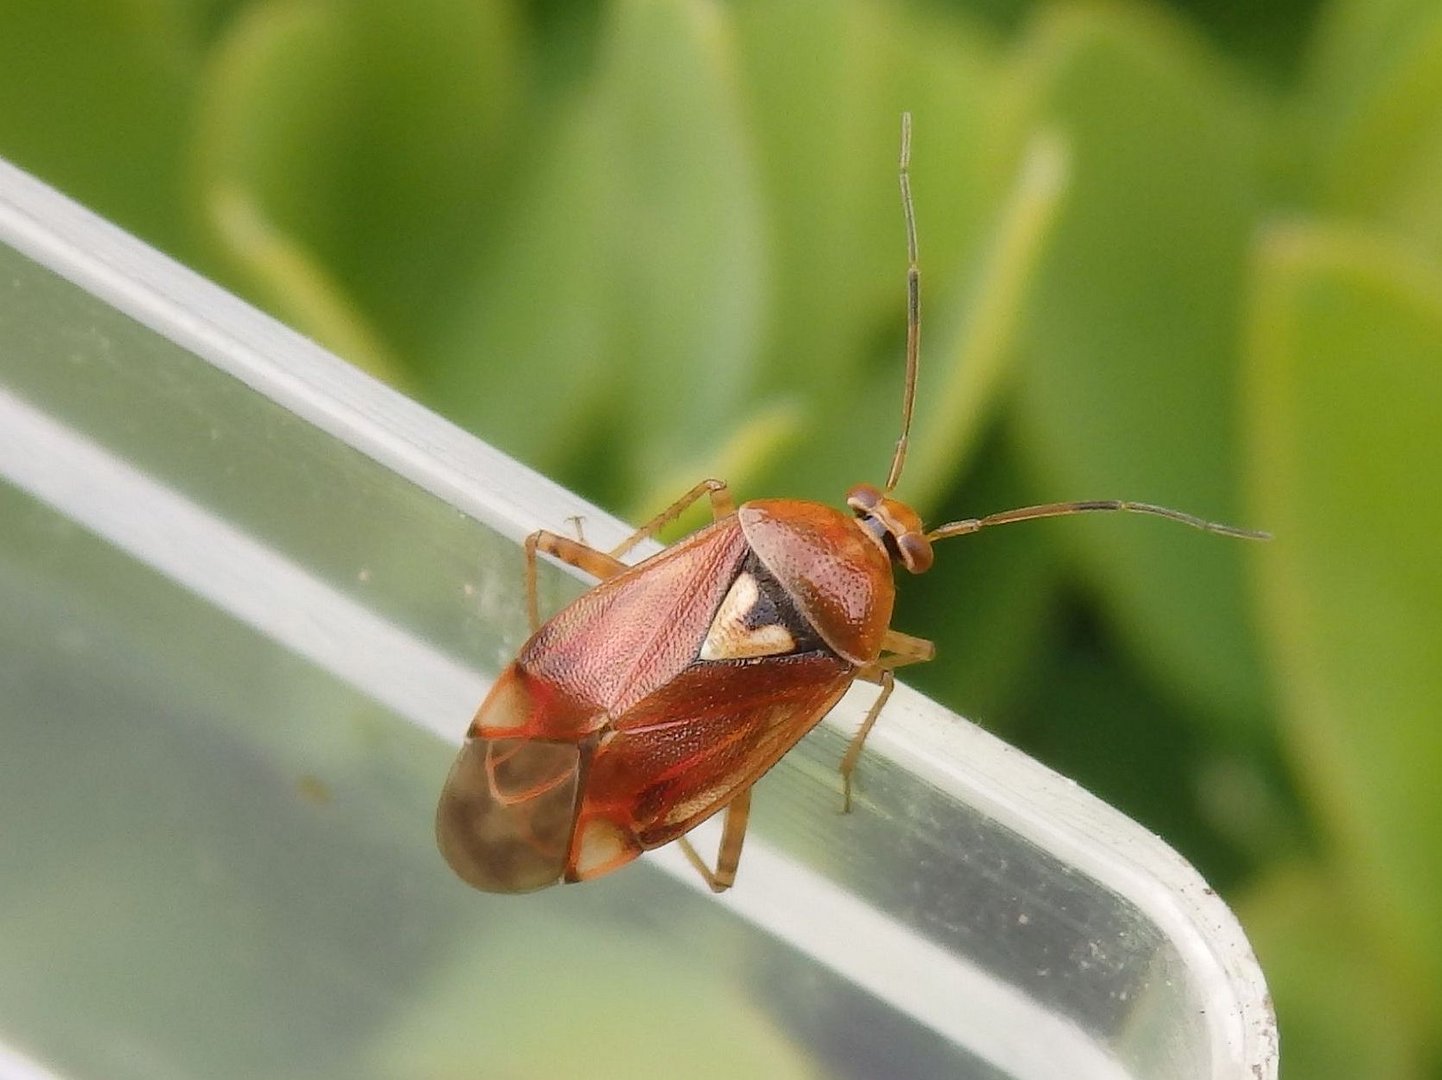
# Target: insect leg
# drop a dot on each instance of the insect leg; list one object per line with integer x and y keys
{"x": 883, "y": 678}
{"x": 898, "y": 650}
{"x": 600, "y": 564}
{"x": 728, "y": 852}
{"x": 721, "y": 506}
{"x": 904, "y": 649}
{"x": 571, "y": 552}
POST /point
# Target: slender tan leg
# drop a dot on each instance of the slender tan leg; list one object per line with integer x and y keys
{"x": 887, "y": 682}
{"x": 728, "y": 852}
{"x": 600, "y": 564}
{"x": 898, "y": 650}
{"x": 721, "y": 506}
{"x": 571, "y": 552}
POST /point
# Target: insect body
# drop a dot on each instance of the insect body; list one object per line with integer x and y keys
{"x": 662, "y": 695}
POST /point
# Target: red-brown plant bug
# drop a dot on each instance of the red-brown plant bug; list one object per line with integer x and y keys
{"x": 659, "y": 697}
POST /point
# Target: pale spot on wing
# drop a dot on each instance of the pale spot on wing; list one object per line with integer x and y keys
{"x": 507, "y": 706}
{"x": 601, "y": 847}
{"x": 684, "y": 811}
{"x": 730, "y": 638}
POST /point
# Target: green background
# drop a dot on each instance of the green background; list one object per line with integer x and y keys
{"x": 1184, "y": 252}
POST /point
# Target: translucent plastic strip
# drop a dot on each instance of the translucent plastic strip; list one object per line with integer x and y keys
{"x": 208, "y": 321}
{"x": 262, "y": 589}
{"x": 1004, "y": 1027}
{"x": 1061, "y": 818}
{"x": 955, "y": 757}
{"x": 14, "y": 1065}
{"x": 232, "y": 571}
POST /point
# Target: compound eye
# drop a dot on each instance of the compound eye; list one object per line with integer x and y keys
{"x": 915, "y": 552}
{"x": 864, "y": 499}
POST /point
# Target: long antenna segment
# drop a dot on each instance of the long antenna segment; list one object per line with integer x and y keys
{"x": 913, "y": 354}
{"x": 913, "y": 308}
{"x": 1061, "y": 509}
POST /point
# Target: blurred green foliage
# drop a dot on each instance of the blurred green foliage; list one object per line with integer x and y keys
{"x": 1189, "y": 253}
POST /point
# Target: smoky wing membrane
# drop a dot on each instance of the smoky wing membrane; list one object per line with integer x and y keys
{"x": 757, "y": 619}
{"x": 505, "y": 816}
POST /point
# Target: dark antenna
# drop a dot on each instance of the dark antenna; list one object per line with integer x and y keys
{"x": 1062, "y": 509}
{"x": 913, "y": 354}
{"x": 913, "y": 308}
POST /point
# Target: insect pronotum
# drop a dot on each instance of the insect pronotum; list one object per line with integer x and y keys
{"x": 659, "y": 697}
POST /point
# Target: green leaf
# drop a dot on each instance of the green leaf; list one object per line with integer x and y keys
{"x": 660, "y": 1019}
{"x": 748, "y": 449}
{"x": 94, "y": 99}
{"x": 826, "y": 118}
{"x": 1340, "y": 1016}
{"x": 991, "y": 603}
{"x": 976, "y": 362}
{"x": 683, "y": 227}
{"x": 1345, "y": 398}
{"x": 525, "y": 358}
{"x": 1126, "y": 388}
{"x": 295, "y": 285}
{"x": 626, "y": 290}
{"x": 363, "y": 139}
{"x": 1375, "y": 109}
{"x": 1357, "y": 41}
